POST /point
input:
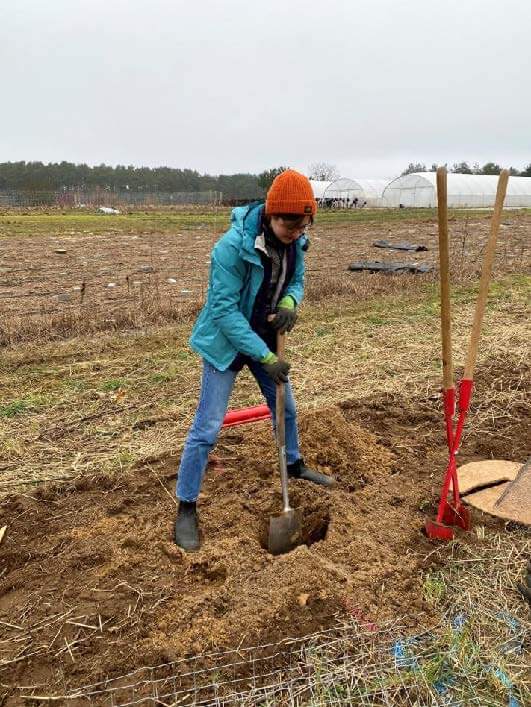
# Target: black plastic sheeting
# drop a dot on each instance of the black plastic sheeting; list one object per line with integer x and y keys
{"x": 400, "y": 246}
{"x": 379, "y": 266}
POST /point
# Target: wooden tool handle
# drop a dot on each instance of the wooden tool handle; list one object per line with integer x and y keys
{"x": 444, "y": 275}
{"x": 281, "y": 345}
{"x": 281, "y": 395}
{"x": 281, "y": 428}
{"x": 486, "y": 270}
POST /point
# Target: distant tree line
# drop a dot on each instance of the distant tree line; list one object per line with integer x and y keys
{"x": 36, "y": 176}
{"x": 465, "y": 168}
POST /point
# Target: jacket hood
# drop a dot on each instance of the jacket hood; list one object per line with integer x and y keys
{"x": 248, "y": 221}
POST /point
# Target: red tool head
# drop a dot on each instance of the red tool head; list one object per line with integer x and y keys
{"x": 438, "y": 531}
{"x": 458, "y": 516}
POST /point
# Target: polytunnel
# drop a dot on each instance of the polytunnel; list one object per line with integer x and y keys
{"x": 319, "y": 188}
{"x": 365, "y": 190}
{"x": 464, "y": 191}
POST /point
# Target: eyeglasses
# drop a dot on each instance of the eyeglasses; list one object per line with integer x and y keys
{"x": 293, "y": 228}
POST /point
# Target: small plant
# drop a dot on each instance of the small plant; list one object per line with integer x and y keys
{"x": 434, "y": 588}
{"x": 16, "y": 407}
{"x": 161, "y": 377}
{"x": 166, "y": 375}
{"x": 113, "y": 384}
{"x": 122, "y": 460}
{"x": 13, "y": 408}
{"x": 75, "y": 384}
{"x": 424, "y": 505}
{"x": 376, "y": 319}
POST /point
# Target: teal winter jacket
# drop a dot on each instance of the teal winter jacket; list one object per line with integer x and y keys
{"x": 222, "y": 329}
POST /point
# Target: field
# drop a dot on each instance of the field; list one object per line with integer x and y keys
{"x": 65, "y": 274}
{"x": 97, "y": 389}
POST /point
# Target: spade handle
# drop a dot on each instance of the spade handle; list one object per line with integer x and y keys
{"x": 486, "y": 270}
{"x": 281, "y": 427}
{"x": 444, "y": 275}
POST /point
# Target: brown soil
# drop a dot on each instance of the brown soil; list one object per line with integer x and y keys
{"x": 57, "y": 285}
{"x": 92, "y": 585}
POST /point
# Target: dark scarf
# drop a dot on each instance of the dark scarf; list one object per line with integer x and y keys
{"x": 277, "y": 252}
{"x": 264, "y": 305}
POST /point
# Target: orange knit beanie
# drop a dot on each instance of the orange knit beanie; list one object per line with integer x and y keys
{"x": 290, "y": 193}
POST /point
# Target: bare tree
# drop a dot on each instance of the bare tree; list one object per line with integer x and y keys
{"x": 323, "y": 171}
{"x": 414, "y": 167}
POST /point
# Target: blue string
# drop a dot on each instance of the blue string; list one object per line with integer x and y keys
{"x": 405, "y": 658}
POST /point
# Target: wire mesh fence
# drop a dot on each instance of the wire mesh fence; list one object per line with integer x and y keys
{"x": 104, "y": 197}
{"x": 354, "y": 663}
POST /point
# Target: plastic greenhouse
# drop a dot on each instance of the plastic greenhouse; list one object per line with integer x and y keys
{"x": 464, "y": 190}
{"x": 369, "y": 190}
{"x": 319, "y": 188}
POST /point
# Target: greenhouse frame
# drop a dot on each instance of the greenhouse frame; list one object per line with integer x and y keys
{"x": 419, "y": 190}
{"x": 319, "y": 188}
{"x": 365, "y": 190}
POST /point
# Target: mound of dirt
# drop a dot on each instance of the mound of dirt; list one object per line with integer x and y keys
{"x": 92, "y": 585}
{"x": 329, "y": 441}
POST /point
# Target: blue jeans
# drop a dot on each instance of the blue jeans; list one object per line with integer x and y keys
{"x": 216, "y": 387}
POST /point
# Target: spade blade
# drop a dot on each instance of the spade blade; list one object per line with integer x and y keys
{"x": 285, "y": 532}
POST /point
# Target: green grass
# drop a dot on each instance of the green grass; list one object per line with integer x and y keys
{"x": 502, "y": 290}
{"x": 165, "y": 376}
{"x": 75, "y": 384}
{"x": 452, "y": 662}
{"x": 114, "y": 384}
{"x": 91, "y": 223}
{"x": 91, "y": 393}
{"x": 121, "y": 461}
{"x": 13, "y": 408}
{"x": 353, "y": 216}
{"x": 434, "y": 588}
{"x": 73, "y": 223}
{"x": 22, "y": 405}
{"x": 376, "y": 319}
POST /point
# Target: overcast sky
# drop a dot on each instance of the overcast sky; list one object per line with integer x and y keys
{"x": 237, "y": 86}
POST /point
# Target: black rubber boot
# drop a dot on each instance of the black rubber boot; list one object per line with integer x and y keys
{"x": 299, "y": 470}
{"x": 187, "y": 527}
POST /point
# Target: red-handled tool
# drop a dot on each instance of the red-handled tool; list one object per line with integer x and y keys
{"x": 244, "y": 415}
{"x": 452, "y": 514}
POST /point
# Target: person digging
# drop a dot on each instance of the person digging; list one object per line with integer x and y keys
{"x": 255, "y": 285}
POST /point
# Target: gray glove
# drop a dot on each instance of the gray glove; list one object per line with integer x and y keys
{"x": 277, "y": 370}
{"x": 284, "y": 320}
